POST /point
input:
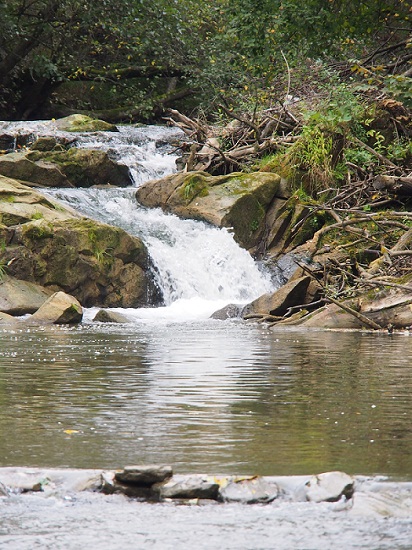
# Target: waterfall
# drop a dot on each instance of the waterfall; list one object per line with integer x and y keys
{"x": 199, "y": 268}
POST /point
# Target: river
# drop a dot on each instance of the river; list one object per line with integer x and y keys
{"x": 207, "y": 396}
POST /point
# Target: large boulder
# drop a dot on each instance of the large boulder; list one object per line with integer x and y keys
{"x": 65, "y": 168}
{"x": 52, "y": 246}
{"x": 237, "y": 201}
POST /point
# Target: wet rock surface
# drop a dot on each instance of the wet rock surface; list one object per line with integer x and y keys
{"x": 194, "y": 487}
{"x": 107, "y": 316}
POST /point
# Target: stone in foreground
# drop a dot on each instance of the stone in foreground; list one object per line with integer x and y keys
{"x": 249, "y": 491}
{"x": 144, "y": 476}
{"x": 330, "y": 487}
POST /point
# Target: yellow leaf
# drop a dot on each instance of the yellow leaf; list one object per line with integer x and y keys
{"x": 70, "y": 432}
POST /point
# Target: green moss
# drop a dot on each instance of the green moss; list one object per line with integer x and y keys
{"x": 193, "y": 186}
{"x": 38, "y": 229}
{"x": 37, "y": 216}
{"x": 6, "y": 197}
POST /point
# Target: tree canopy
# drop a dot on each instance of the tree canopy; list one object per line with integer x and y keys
{"x": 202, "y": 45}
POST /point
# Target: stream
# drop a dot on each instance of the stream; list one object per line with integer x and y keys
{"x": 205, "y": 396}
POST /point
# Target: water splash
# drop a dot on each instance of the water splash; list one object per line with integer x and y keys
{"x": 193, "y": 259}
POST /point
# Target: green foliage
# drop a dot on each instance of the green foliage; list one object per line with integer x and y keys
{"x": 399, "y": 86}
{"x": 216, "y": 47}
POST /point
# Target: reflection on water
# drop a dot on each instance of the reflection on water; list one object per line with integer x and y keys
{"x": 206, "y": 397}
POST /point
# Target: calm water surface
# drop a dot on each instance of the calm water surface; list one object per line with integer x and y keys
{"x": 207, "y": 397}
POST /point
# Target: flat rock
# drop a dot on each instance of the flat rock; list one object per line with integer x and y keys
{"x": 330, "y": 487}
{"x": 249, "y": 491}
{"x": 6, "y": 319}
{"x": 190, "y": 488}
{"x": 60, "y": 308}
{"x": 145, "y": 476}
{"x": 19, "y": 297}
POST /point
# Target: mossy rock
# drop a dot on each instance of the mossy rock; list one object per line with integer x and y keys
{"x": 99, "y": 264}
{"x": 65, "y": 168}
{"x": 85, "y": 167}
{"x": 83, "y": 123}
{"x": 238, "y": 201}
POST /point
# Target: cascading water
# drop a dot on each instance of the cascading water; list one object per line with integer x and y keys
{"x": 199, "y": 268}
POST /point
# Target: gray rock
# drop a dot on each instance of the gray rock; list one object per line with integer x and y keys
{"x": 60, "y": 308}
{"x": 190, "y": 488}
{"x": 144, "y": 476}
{"x": 20, "y": 297}
{"x": 106, "y": 316}
{"x": 46, "y": 143}
{"x": 330, "y": 487}
{"x": 7, "y": 143}
{"x": 65, "y": 168}
{"x": 231, "y": 311}
{"x": 249, "y": 491}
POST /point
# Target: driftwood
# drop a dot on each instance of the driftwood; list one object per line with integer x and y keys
{"x": 223, "y": 150}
